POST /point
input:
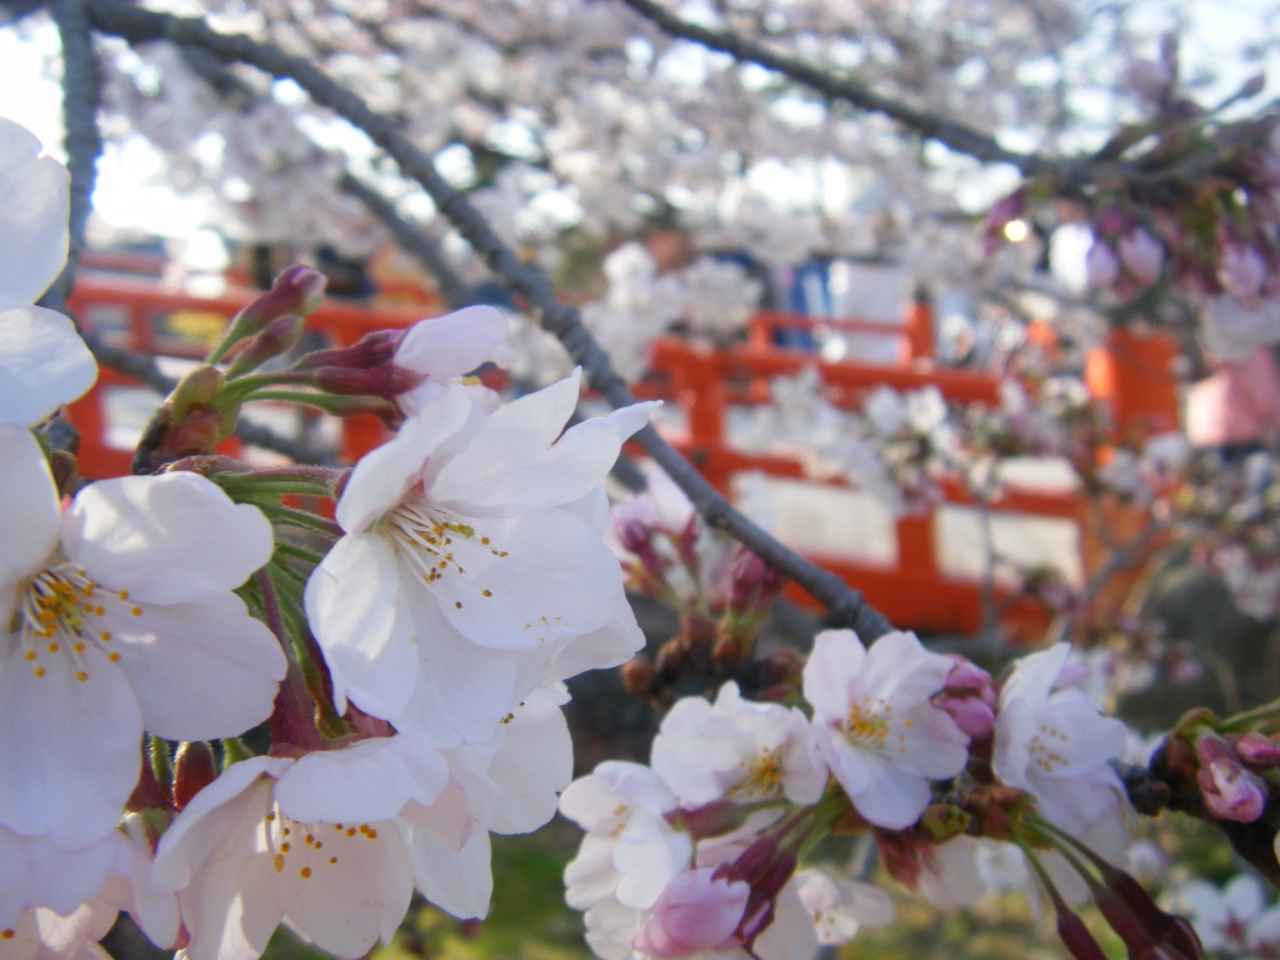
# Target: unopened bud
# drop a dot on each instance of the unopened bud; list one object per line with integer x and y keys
{"x": 754, "y": 583}
{"x": 1252, "y": 87}
{"x": 696, "y": 912}
{"x": 386, "y": 381}
{"x": 297, "y": 291}
{"x": 372, "y": 350}
{"x": 1075, "y": 936}
{"x": 278, "y": 337}
{"x": 966, "y": 675}
{"x": 1231, "y": 792}
{"x": 971, "y": 714}
{"x": 193, "y": 770}
{"x": 1257, "y": 750}
{"x": 637, "y": 677}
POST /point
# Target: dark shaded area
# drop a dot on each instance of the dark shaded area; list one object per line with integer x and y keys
{"x": 1238, "y": 653}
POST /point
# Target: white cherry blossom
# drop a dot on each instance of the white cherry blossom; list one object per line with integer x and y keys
{"x": 444, "y": 348}
{"x": 839, "y": 908}
{"x": 43, "y": 361}
{"x": 1053, "y": 741}
{"x": 630, "y": 852}
{"x": 121, "y": 620}
{"x": 875, "y": 727}
{"x": 54, "y": 903}
{"x": 739, "y": 749}
{"x": 472, "y": 569}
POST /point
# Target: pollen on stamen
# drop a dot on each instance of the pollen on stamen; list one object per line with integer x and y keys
{"x": 82, "y": 676}
{"x": 458, "y": 604}
{"x": 38, "y": 671}
{"x": 106, "y": 636}
{"x": 304, "y": 872}
{"x": 6, "y": 934}
{"x": 488, "y": 593}
{"x": 31, "y": 654}
{"x": 53, "y": 648}
{"x": 136, "y": 611}
{"x": 333, "y": 859}
{"x": 278, "y": 862}
{"x": 113, "y": 657}
{"x": 79, "y": 647}
{"x": 123, "y": 594}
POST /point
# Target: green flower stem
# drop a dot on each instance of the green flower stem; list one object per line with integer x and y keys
{"x": 297, "y": 553}
{"x": 1242, "y": 722}
{"x": 297, "y": 518}
{"x": 308, "y": 658}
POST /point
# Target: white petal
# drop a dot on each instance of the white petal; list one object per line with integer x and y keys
{"x": 461, "y": 690}
{"x": 381, "y": 478}
{"x": 71, "y": 749}
{"x": 34, "y": 214}
{"x": 448, "y": 821}
{"x": 459, "y": 883}
{"x": 836, "y": 661}
{"x": 454, "y": 344}
{"x": 791, "y": 936}
{"x": 514, "y": 437}
{"x": 894, "y": 798}
{"x": 229, "y": 900}
{"x": 197, "y": 832}
{"x": 533, "y": 765}
{"x": 43, "y": 364}
{"x": 612, "y": 645}
{"x": 558, "y": 579}
{"x": 370, "y": 780}
{"x": 165, "y": 539}
{"x": 28, "y": 512}
{"x": 201, "y": 670}
{"x": 35, "y": 873}
{"x": 356, "y": 891}
{"x": 649, "y": 853}
{"x": 590, "y": 876}
{"x": 355, "y": 607}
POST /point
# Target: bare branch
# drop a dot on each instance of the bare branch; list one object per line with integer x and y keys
{"x": 847, "y": 607}
{"x": 955, "y": 135}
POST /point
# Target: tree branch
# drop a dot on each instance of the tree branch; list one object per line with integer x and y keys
{"x": 955, "y": 135}
{"x": 847, "y": 607}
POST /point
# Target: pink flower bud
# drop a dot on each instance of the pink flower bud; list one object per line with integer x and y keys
{"x": 970, "y": 712}
{"x": 1102, "y": 269}
{"x": 695, "y": 912}
{"x": 386, "y": 381}
{"x": 966, "y": 675}
{"x": 754, "y": 583}
{"x": 1241, "y": 271}
{"x": 1142, "y": 255}
{"x": 1231, "y": 792}
{"x": 1258, "y": 751}
{"x": 371, "y": 350}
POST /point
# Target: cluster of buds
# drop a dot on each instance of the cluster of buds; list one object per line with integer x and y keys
{"x": 1227, "y": 772}
{"x": 722, "y": 592}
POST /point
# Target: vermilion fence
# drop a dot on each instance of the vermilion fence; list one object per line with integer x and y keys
{"x": 907, "y": 575}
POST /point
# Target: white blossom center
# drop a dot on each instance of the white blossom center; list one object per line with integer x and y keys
{"x": 871, "y": 726}
{"x": 61, "y": 610}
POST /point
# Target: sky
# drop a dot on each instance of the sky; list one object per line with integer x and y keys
{"x": 129, "y": 195}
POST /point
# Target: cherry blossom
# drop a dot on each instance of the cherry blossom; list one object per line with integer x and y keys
{"x": 472, "y": 568}
{"x": 444, "y": 348}
{"x": 1235, "y": 920}
{"x": 875, "y": 726}
{"x": 122, "y": 621}
{"x": 630, "y": 852}
{"x": 697, "y": 911}
{"x": 839, "y": 908}
{"x": 43, "y": 361}
{"x": 1053, "y": 741}
{"x": 737, "y": 749}
{"x": 53, "y": 903}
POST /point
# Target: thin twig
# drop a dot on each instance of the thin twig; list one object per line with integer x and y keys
{"x": 955, "y": 135}
{"x": 846, "y": 607}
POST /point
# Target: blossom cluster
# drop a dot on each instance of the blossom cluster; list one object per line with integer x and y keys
{"x": 357, "y": 703}
{"x": 715, "y": 848}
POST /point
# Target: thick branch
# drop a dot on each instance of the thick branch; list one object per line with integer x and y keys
{"x": 955, "y": 135}
{"x": 846, "y": 606}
